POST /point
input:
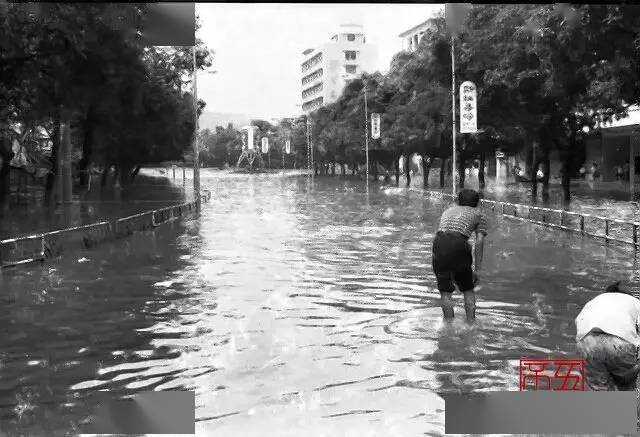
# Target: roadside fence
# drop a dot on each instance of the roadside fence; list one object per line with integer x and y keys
{"x": 607, "y": 229}
{"x": 39, "y": 247}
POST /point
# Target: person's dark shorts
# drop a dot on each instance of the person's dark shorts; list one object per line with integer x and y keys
{"x": 452, "y": 262}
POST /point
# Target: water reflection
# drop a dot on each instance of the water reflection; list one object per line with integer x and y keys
{"x": 292, "y": 309}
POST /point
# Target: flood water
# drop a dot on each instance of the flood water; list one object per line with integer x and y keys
{"x": 290, "y": 309}
{"x": 147, "y": 193}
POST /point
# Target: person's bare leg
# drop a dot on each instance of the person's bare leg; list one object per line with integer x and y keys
{"x": 446, "y": 301}
{"x": 470, "y": 305}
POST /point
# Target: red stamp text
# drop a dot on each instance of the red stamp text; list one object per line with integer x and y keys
{"x": 558, "y": 374}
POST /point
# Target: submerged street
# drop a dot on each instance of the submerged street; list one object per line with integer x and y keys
{"x": 289, "y": 307}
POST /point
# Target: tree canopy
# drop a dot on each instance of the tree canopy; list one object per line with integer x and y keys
{"x": 66, "y": 62}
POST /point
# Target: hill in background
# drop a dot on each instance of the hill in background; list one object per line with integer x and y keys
{"x": 209, "y": 120}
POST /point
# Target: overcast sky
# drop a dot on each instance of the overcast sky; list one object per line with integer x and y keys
{"x": 258, "y": 48}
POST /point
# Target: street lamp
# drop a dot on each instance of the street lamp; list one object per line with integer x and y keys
{"x": 196, "y": 147}
{"x": 366, "y": 133}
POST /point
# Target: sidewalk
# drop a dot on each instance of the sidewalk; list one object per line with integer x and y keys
{"x": 604, "y": 199}
{"x": 147, "y": 192}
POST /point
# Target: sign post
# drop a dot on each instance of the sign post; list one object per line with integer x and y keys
{"x": 366, "y": 134}
{"x": 455, "y": 15}
{"x": 250, "y": 138}
{"x": 468, "y": 108}
{"x": 287, "y": 150}
{"x": 375, "y": 126}
{"x": 196, "y": 148}
{"x": 265, "y": 149}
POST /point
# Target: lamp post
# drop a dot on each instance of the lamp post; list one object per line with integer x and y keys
{"x": 196, "y": 147}
{"x": 366, "y": 135}
{"x": 454, "y": 170}
{"x": 455, "y": 15}
{"x": 196, "y": 150}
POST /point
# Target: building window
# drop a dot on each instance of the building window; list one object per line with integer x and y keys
{"x": 311, "y": 91}
{"x": 351, "y": 37}
{"x": 313, "y": 104}
{"x": 350, "y": 69}
{"x": 311, "y": 77}
{"x": 350, "y": 55}
{"x": 311, "y": 62}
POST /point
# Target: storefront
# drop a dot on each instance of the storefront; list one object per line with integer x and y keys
{"x": 616, "y": 145}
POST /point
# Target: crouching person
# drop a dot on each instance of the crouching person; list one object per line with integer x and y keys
{"x": 607, "y": 338}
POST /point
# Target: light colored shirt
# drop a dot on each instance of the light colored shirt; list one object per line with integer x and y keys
{"x": 464, "y": 220}
{"x": 612, "y": 313}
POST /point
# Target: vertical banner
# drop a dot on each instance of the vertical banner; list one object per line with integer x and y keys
{"x": 249, "y": 137}
{"x": 375, "y": 126}
{"x": 265, "y": 145}
{"x": 468, "y": 108}
{"x": 287, "y": 147}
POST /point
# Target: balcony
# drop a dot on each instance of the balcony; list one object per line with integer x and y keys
{"x": 310, "y": 78}
{"x": 312, "y": 90}
{"x": 312, "y": 62}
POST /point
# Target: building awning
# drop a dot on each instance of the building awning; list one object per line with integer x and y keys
{"x": 625, "y": 125}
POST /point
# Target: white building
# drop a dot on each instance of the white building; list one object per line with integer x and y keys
{"x": 326, "y": 69}
{"x": 411, "y": 38}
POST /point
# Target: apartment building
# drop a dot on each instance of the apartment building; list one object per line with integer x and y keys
{"x": 326, "y": 69}
{"x": 411, "y": 38}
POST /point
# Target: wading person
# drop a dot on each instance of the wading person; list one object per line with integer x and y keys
{"x": 452, "y": 259}
{"x": 607, "y": 338}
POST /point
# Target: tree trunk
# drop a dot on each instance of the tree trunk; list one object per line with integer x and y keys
{"x": 566, "y": 179}
{"x": 545, "y": 179}
{"x": 343, "y": 169}
{"x": 87, "y": 147}
{"x": 426, "y": 169}
{"x": 55, "y": 150}
{"x": 105, "y": 175}
{"x": 353, "y": 169}
{"x": 116, "y": 174}
{"x": 481, "y": 181}
{"x": 125, "y": 171}
{"x": 566, "y": 168}
{"x": 534, "y": 180}
{"x": 407, "y": 169}
{"x": 6, "y": 155}
{"x": 397, "y": 168}
{"x": 443, "y": 171}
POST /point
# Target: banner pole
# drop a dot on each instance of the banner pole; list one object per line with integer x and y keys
{"x": 454, "y": 171}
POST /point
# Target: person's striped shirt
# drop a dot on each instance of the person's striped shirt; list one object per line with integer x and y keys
{"x": 464, "y": 220}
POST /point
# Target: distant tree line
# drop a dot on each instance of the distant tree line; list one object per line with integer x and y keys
{"x": 545, "y": 74}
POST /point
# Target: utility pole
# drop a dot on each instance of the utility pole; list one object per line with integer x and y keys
{"x": 308, "y": 146}
{"x": 196, "y": 151}
{"x": 366, "y": 134}
{"x": 454, "y": 172}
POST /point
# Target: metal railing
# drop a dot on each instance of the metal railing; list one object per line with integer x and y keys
{"x": 608, "y": 229}
{"x": 39, "y": 247}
